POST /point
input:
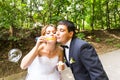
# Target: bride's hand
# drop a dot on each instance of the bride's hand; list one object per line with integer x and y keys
{"x": 41, "y": 39}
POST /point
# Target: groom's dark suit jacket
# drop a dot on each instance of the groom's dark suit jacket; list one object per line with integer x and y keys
{"x": 86, "y": 64}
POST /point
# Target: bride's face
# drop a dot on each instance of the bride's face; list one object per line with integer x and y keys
{"x": 50, "y": 34}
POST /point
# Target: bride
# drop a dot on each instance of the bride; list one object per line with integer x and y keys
{"x": 45, "y": 60}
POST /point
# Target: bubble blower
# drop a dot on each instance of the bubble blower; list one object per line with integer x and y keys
{"x": 47, "y": 38}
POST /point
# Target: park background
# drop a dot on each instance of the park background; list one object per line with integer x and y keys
{"x": 97, "y": 21}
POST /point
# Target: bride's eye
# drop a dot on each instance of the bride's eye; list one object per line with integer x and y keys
{"x": 54, "y": 32}
{"x": 47, "y": 32}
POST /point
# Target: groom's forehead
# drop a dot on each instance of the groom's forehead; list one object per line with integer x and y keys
{"x": 61, "y": 27}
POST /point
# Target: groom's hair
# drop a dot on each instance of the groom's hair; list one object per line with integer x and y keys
{"x": 70, "y": 26}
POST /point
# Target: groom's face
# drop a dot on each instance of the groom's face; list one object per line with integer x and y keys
{"x": 62, "y": 34}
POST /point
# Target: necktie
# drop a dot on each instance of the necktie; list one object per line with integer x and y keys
{"x": 64, "y": 46}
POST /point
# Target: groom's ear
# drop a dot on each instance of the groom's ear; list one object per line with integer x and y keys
{"x": 71, "y": 33}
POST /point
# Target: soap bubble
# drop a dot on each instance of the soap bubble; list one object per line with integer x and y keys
{"x": 14, "y": 55}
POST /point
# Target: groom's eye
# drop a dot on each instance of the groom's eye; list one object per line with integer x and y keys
{"x": 62, "y": 30}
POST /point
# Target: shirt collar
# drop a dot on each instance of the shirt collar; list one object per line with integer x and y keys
{"x": 68, "y": 43}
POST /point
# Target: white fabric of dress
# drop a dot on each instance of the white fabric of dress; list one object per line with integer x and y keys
{"x": 43, "y": 68}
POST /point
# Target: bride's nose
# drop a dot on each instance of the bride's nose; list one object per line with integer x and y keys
{"x": 52, "y": 34}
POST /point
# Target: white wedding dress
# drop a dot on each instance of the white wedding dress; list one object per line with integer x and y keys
{"x": 43, "y": 68}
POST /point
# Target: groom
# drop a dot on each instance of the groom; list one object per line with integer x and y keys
{"x": 80, "y": 56}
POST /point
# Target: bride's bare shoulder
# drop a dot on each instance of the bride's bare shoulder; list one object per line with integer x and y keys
{"x": 60, "y": 48}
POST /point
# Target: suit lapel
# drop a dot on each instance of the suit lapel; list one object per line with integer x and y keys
{"x": 71, "y": 50}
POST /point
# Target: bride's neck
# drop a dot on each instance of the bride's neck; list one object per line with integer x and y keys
{"x": 50, "y": 47}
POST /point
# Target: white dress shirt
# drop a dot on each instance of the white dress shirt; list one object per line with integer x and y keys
{"x": 67, "y": 49}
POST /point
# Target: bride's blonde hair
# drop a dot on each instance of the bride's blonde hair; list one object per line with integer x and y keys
{"x": 43, "y": 31}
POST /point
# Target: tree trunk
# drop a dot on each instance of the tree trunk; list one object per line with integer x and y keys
{"x": 101, "y": 14}
{"x": 11, "y": 31}
{"x": 107, "y": 15}
{"x": 92, "y": 21}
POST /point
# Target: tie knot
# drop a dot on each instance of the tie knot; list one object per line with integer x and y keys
{"x": 64, "y": 46}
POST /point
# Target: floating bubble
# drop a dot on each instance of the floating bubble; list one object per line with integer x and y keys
{"x": 14, "y": 55}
